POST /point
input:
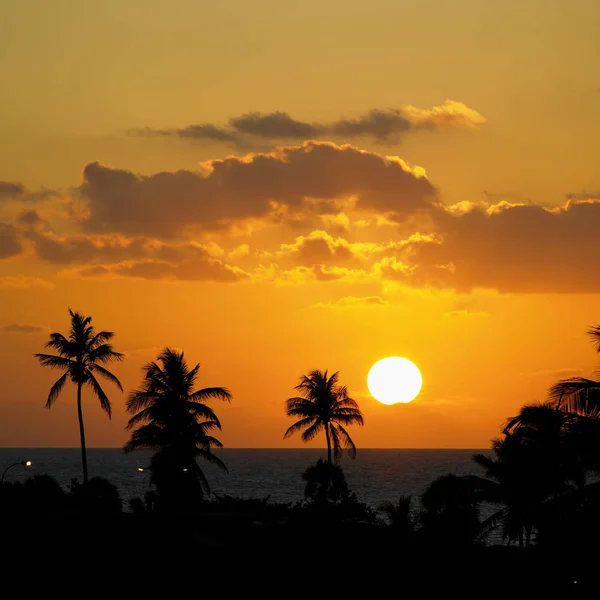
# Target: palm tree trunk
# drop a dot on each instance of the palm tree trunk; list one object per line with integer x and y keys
{"x": 328, "y": 443}
{"x": 82, "y": 435}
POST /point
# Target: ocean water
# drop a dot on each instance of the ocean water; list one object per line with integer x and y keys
{"x": 375, "y": 476}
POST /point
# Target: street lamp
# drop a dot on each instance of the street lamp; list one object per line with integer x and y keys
{"x": 24, "y": 463}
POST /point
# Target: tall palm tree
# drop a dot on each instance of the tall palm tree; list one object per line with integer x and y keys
{"x": 324, "y": 405}
{"x": 173, "y": 419}
{"x": 81, "y": 356}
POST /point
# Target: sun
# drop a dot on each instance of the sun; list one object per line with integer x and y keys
{"x": 394, "y": 379}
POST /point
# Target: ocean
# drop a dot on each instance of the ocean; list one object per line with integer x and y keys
{"x": 375, "y": 476}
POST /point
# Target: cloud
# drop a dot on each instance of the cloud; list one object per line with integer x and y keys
{"x": 309, "y": 177}
{"x": 353, "y": 301}
{"x": 10, "y": 190}
{"x": 22, "y": 282}
{"x": 450, "y": 114}
{"x": 138, "y": 257}
{"x": 383, "y": 125}
{"x": 275, "y": 125}
{"x": 10, "y": 243}
{"x": 513, "y": 248}
{"x": 199, "y": 270}
{"x": 317, "y": 248}
{"x": 23, "y": 328}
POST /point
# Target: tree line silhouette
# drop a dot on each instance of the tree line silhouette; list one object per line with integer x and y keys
{"x": 539, "y": 485}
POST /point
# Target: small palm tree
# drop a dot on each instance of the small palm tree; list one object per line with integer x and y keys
{"x": 399, "y": 515}
{"x": 324, "y": 406}
{"x": 173, "y": 419}
{"x": 81, "y": 356}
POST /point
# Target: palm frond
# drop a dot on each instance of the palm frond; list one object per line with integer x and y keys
{"x": 594, "y": 333}
{"x": 349, "y": 418}
{"x": 143, "y": 416}
{"x": 208, "y": 456}
{"x": 202, "y": 411}
{"x": 221, "y": 393}
{"x": 105, "y": 353}
{"x": 491, "y": 523}
{"x": 97, "y": 388}
{"x": 310, "y": 432}
{"x": 344, "y": 402}
{"x": 346, "y": 441}
{"x": 100, "y": 338}
{"x": 578, "y": 395}
{"x": 300, "y": 407}
{"x": 56, "y": 389}
{"x": 483, "y": 461}
{"x": 146, "y": 437}
{"x": 54, "y": 362}
{"x": 299, "y": 426}
{"x": 335, "y": 442}
{"x": 106, "y": 374}
{"x": 201, "y": 477}
{"x": 140, "y": 399}
{"x": 65, "y": 347}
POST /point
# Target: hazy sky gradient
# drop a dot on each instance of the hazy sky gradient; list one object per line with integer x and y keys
{"x": 445, "y": 206}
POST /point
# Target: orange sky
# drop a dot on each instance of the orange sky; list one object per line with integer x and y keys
{"x": 283, "y": 187}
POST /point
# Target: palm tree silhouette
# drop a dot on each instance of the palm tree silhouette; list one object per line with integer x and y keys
{"x": 81, "y": 357}
{"x": 324, "y": 405}
{"x": 173, "y": 419}
{"x": 537, "y": 463}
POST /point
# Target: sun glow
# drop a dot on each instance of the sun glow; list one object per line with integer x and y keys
{"x": 394, "y": 379}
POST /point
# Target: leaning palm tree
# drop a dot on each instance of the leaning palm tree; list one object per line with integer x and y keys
{"x": 324, "y": 406}
{"x": 81, "y": 356}
{"x": 172, "y": 419}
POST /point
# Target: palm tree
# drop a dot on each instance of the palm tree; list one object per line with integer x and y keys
{"x": 81, "y": 357}
{"x": 536, "y": 469}
{"x": 324, "y": 405}
{"x": 399, "y": 515}
{"x": 173, "y": 419}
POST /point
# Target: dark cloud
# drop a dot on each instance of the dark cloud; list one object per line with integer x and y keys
{"x": 528, "y": 249}
{"x": 18, "y": 328}
{"x": 10, "y": 243}
{"x": 276, "y": 125}
{"x": 81, "y": 249}
{"x": 237, "y": 188}
{"x": 30, "y": 218}
{"x": 383, "y": 125}
{"x": 193, "y": 132}
{"x": 10, "y": 190}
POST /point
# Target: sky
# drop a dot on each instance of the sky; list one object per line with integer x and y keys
{"x": 276, "y": 187}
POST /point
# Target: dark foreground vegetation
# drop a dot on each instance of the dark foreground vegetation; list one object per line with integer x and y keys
{"x": 538, "y": 489}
